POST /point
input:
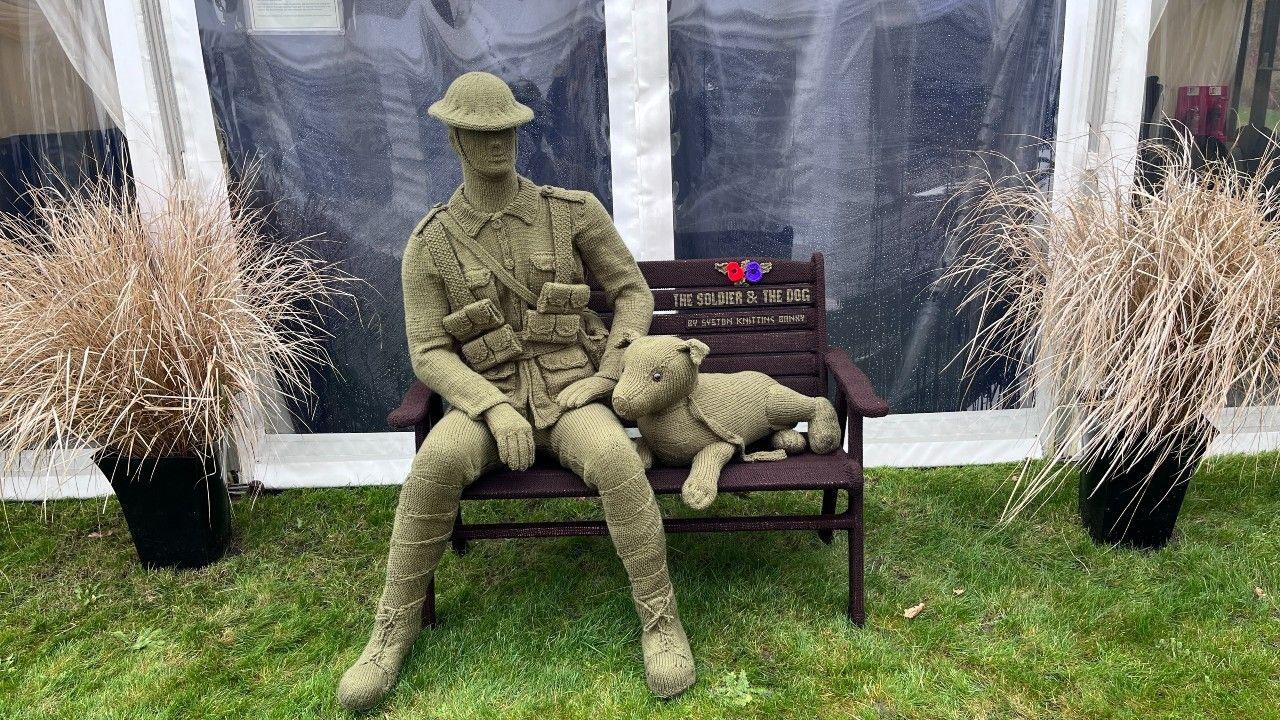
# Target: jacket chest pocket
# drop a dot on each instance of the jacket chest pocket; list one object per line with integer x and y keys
{"x": 480, "y": 282}
{"x": 562, "y": 367}
{"x": 542, "y": 269}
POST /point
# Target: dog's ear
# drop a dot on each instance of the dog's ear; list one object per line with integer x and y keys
{"x": 626, "y": 338}
{"x": 696, "y": 349}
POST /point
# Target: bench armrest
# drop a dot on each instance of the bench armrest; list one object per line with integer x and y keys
{"x": 414, "y": 408}
{"x": 855, "y": 386}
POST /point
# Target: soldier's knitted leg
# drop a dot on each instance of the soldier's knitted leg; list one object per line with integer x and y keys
{"x": 453, "y": 454}
{"x": 591, "y": 442}
{"x": 788, "y": 407}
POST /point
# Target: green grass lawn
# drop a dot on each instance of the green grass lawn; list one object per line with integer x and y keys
{"x": 1048, "y": 625}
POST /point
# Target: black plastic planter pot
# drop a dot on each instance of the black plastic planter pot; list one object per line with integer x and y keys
{"x": 1122, "y": 511}
{"x": 177, "y": 508}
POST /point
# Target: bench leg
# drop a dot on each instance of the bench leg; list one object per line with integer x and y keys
{"x": 857, "y": 598}
{"x": 429, "y": 604}
{"x": 459, "y": 543}
{"x": 828, "y": 508}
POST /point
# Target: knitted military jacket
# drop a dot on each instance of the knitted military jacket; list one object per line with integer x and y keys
{"x": 520, "y": 239}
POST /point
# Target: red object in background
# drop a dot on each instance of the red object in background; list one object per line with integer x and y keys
{"x": 1203, "y": 110}
{"x": 1217, "y": 101}
{"x": 1192, "y": 108}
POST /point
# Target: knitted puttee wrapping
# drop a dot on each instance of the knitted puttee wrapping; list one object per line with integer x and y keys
{"x": 635, "y": 525}
{"x": 453, "y": 455}
{"x": 594, "y": 444}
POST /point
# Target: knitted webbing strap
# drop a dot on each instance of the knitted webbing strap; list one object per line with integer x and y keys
{"x": 449, "y": 266}
{"x": 714, "y": 427}
{"x": 561, "y": 237}
{"x": 499, "y": 272}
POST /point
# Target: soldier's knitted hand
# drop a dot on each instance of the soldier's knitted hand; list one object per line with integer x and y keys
{"x": 513, "y": 434}
{"x": 586, "y": 390}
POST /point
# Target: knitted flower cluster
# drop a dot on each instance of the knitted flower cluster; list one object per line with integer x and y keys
{"x": 746, "y": 271}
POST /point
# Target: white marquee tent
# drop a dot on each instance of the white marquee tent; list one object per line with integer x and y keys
{"x": 142, "y": 70}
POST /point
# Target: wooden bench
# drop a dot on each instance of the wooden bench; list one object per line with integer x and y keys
{"x": 777, "y": 326}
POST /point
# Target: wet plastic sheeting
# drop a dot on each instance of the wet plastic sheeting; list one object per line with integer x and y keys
{"x": 338, "y": 125}
{"x": 839, "y": 126}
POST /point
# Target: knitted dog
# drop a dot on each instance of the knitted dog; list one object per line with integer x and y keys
{"x": 704, "y": 419}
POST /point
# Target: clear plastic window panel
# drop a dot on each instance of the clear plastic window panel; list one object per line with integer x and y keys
{"x": 336, "y": 125}
{"x": 842, "y": 126}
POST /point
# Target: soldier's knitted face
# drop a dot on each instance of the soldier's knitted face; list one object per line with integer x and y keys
{"x": 489, "y": 153}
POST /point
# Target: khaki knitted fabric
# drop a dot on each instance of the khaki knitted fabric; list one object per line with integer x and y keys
{"x": 486, "y": 189}
{"x": 518, "y": 238}
{"x": 704, "y": 419}
{"x": 452, "y": 455}
{"x": 500, "y": 229}
{"x": 592, "y": 443}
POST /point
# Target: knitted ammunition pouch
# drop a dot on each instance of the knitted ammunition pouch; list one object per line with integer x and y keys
{"x": 475, "y": 319}
{"x": 561, "y": 329}
{"x": 493, "y": 348}
{"x": 563, "y": 298}
{"x": 595, "y": 335}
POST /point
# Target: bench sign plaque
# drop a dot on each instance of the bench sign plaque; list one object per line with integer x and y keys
{"x": 294, "y": 16}
{"x": 733, "y": 297}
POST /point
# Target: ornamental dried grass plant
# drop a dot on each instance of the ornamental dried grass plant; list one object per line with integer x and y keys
{"x": 150, "y": 336}
{"x": 1142, "y": 309}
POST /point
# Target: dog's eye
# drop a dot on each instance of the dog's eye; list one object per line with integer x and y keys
{"x": 657, "y": 376}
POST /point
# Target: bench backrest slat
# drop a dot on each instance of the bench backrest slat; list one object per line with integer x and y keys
{"x": 776, "y": 326}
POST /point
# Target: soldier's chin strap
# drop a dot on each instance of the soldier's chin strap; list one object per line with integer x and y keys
{"x": 456, "y": 140}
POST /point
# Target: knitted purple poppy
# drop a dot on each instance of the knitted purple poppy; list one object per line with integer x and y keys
{"x": 754, "y": 273}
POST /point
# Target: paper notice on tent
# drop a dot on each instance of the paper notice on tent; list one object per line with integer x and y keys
{"x": 294, "y": 16}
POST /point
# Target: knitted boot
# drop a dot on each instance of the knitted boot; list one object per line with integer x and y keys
{"x": 369, "y": 680}
{"x": 417, "y": 542}
{"x": 668, "y": 661}
{"x": 641, "y": 543}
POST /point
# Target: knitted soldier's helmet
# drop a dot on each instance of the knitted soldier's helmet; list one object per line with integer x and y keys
{"x": 480, "y": 101}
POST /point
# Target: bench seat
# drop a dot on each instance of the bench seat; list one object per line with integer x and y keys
{"x": 547, "y": 479}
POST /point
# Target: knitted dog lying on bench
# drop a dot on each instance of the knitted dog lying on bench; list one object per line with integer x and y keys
{"x": 704, "y": 419}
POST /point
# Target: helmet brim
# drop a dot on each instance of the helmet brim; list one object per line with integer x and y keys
{"x": 517, "y": 116}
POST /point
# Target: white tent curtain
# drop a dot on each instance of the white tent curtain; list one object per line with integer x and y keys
{"x": 42, "y": 91}
{"x": 1193, "y": 42}
{"x": 81, "y": 29}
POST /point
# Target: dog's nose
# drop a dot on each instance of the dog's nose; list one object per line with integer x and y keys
{"x": 621, "y": 406}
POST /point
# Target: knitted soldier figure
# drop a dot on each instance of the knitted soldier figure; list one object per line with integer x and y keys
{"x": 497, "y": 321}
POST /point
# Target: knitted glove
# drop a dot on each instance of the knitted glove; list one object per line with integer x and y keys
{"x": 513, "y": 433}
{"x": 586, "y": 390}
